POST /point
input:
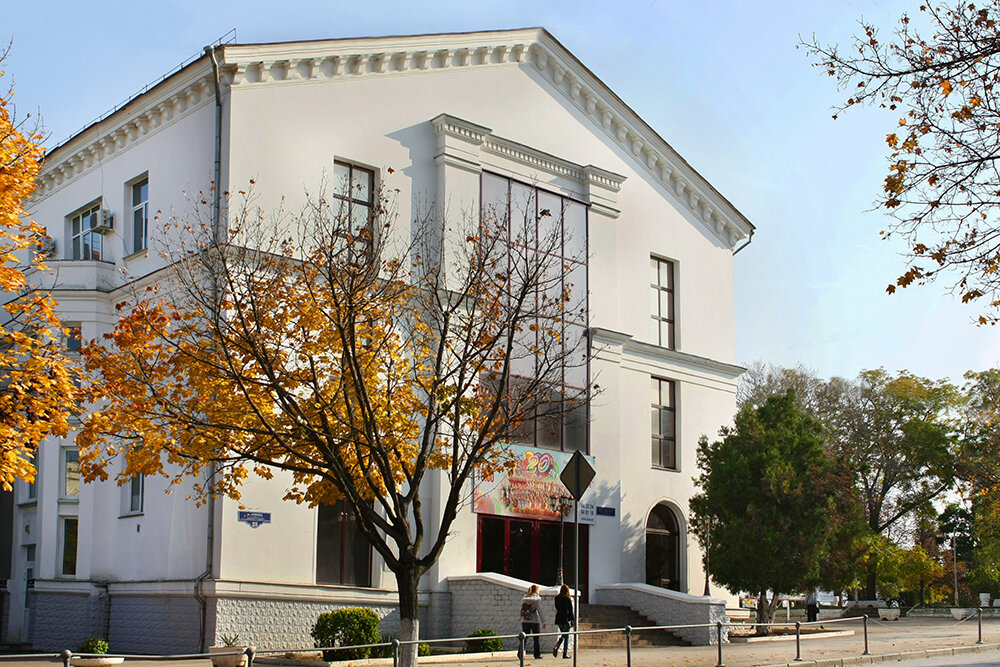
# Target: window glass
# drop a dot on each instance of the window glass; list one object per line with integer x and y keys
{"x": 343, "y": 554}
{"x": 664, "y": 424}
{"x": 136, "y": 493}
{"x": 662, "y": 302}
{"x": 140, "y": 215}
{"x": 69, "y": 535}
{"x": 71, "y": 473}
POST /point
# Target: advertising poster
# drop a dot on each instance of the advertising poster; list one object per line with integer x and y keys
{"x": 532, "y": 489}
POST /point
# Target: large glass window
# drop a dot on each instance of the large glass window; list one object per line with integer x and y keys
{"x": 555, "y": 226}
{"x": 86, "y": 243}
{"x": 664, "y": 428}
{"x": 343, "y": 553}
{"x": 354, "y": 188}
{"x": 69, "y": 533}
{"x": 661, "y": 287}
{"x": 140, "y": 215}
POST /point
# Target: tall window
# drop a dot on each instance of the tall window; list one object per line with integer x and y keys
{"x": 354, "y": 187}
{"x": 71, "y": 472}
{"x": 74, "y": 336}
{"x": 140, "y": 215}
{"x": 557, "y": 226}
{"x": 87, "y": 244}
{"x": 69, "y": 532}
{"x": 31, "y": 488}
{"x": 343, "y": 553}
{"x": 662, "y": 296}
{"x": 664, "y": 424}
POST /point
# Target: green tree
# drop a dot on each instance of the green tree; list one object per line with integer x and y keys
{"x": 774, "y": 492}
{"x": 936, "y": 75}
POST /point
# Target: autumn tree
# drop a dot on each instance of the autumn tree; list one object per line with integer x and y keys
{"x": 36, "y": 379}
{"x": 938, "y": 76}
{"x": 359, "y": 356}
{"x": 771, "y": 489}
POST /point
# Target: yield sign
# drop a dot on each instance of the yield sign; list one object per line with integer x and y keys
{"x": 577, "y": 475}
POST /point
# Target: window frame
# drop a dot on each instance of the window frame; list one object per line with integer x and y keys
{"x": 130, "y": 495}
{"x": 351, "y": 201}
{"x": 659, "y": 289}
{"x": 139, "y": 243}
{"x": 347, "y": 562}
{"x": 64, "y": 473}
{"x": 76, "y": 238}
{"x": 64, "y": 544}
{"x": 658, "y": 439}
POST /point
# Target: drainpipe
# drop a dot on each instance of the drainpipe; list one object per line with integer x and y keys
{"x": 217, "y": 188}
{"x": 749, "y": 239}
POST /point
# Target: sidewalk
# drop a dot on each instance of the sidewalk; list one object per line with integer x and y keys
{"x": 888, "y": 642}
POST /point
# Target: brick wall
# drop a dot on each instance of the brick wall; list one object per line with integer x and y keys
{"x": 493, "y": 601}
{"x": 155, "y": 624}
{"x": 63, "y": 620}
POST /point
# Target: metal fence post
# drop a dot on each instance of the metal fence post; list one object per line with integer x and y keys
{"x": 865, "y": 617}
{"x": 979, "y": 612}
{"x": 628, "y": 645}
{"x": 395, "y": 652}
{"x": 521, "y": 644}
{"x": 66, "y": 655}
{"x": 718, "y": 631}
{"x": 250, "y": 653}
{"x": 798, "y": 641}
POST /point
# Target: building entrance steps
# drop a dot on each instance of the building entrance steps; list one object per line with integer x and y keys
{"x": 598, "y": 616}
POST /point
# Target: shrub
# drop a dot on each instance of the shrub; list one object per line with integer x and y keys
{"x": 346, "y": 627}
{"x": 94, "y": 645}
{"x": 489, "y": 643}
{"x": 423, "y": 648}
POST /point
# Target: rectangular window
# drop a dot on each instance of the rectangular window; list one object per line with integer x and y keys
{"x": 354, "y": 188}
{"x": 140, "y": 215}
{"x": 31, "y": 489}
{"x": 71, "y": 472}
{"x": 69, "y": 532}
{"x": 664, "y": 420}
{"x": 343, "y": 554}
{"x": 73, "y": 337}
{"x": 661, "y": 286}
{"x": 135, "y": 493}
{"x": 86, "y": 243}
{"x": 555, "y": 228}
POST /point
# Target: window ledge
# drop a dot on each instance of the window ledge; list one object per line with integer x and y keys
{"x": 130, "y": 515}
{"x": 75, "y": 500}
{"x": 31, "y": 502}
{"x": 137, "y": 254}
{"x": 665, "y": 469}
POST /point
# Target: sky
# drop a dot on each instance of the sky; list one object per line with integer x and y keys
{"x": 721, "y": 81}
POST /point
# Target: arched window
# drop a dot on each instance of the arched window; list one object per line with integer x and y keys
{"x": 663, "y": 549}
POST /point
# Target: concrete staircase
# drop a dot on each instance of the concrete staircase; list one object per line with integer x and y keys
{"x": 597, "y": 616}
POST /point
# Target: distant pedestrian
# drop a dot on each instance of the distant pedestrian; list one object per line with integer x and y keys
{"x": 812, "y": 607}
{"x": 564, "y": 619}
{"x": 531, "y": 618}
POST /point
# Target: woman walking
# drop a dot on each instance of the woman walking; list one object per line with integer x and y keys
{"x": 531, "y": 617}
{"x": 564, "y": 619}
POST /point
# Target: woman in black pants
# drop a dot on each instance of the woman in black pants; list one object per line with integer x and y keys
{"x": 564, "y": 619}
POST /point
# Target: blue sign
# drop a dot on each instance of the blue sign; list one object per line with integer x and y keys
{"x": 605, "y": 511}
{"x": 254, "y": 519}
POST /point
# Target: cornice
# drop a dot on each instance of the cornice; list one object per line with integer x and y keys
{"x": 175, "y": 98}
{"x": 620, "y": 344}
{"x": 292, "y": 63}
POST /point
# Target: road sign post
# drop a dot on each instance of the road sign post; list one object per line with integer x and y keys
{"x": 576, "y": 477}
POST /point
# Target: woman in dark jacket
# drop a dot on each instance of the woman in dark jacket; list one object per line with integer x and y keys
{"x": 564, "y": 619}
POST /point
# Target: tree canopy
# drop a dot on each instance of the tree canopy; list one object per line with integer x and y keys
{"x": 938, "y": 76}
{"x": 37, "y": 390}
{"x": 770, "y": 488}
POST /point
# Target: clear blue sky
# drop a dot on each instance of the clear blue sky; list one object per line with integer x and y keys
{"x": 721, "y": 81}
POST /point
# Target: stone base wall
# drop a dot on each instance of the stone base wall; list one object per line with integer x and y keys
{"x": 493, "y": 601}
{"x": 667, "y": 607}
{"x": 280, "y": 624}
{"x": 155, "y": 624}
{"x": 62, "y": 620}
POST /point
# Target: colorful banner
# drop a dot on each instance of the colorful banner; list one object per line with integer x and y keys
{"x": 532, "y": 489}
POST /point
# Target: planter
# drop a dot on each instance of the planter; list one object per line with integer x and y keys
{"x": 889, "y": 614}
{"x": 958, "y": 613}
{"x": 233, "y": 659}
{"x": 95, "y": 661}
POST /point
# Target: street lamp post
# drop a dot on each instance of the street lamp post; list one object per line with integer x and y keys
{"x": 954, "y": 565}
{"x": 705, "y": 526}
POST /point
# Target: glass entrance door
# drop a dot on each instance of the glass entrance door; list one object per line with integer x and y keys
{"x": 531, "y": 550}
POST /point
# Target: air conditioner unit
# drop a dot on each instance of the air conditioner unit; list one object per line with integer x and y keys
{"x": 105, "y": 222}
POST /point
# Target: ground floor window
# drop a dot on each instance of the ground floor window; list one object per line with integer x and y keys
{"x": 343, "y": 553}
{"x": 530, "y": 550}
{"x": 663, "y": 549}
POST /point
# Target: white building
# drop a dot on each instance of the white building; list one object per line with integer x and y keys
{"x": 453, "y": 116}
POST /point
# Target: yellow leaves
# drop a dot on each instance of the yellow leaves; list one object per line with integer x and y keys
{"x": 945, "y": 87}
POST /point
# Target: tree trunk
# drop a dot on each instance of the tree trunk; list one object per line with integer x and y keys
{"x": 871, "y": 590}
{"x": 409, "y": 617}
{"x": 765, "y": 613}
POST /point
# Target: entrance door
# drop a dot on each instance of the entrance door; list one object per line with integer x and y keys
{"x": 531, "y": 550}
{"x": 663, "y": 549}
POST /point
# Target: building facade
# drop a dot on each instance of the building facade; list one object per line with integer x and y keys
{"x": 455, "y": 122}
